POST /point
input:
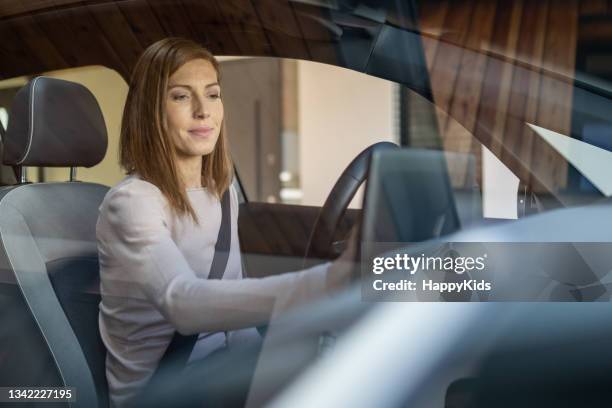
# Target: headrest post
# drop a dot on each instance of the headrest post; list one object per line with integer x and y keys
{"x": 23, "y": 175}
{"x": 73, "y": 171}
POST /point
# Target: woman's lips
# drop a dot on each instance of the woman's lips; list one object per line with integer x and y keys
{"x": 203, "y": 131}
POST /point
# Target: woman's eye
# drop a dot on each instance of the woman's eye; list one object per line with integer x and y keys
{"x": 180, "y": 97}
{"x": 214, "y": 96}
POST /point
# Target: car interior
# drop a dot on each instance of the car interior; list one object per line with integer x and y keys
{"x": 54, "y": 264}
{"x": 531, "y": 354}
{"x": 57, "y": 123}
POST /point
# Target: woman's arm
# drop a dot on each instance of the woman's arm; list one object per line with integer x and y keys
{"x": 133, "y": 227}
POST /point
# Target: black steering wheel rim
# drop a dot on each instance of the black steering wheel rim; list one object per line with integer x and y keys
{"x": 324, "y": 229}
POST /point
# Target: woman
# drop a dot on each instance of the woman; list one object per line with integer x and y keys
{"x": 157, "y": 228}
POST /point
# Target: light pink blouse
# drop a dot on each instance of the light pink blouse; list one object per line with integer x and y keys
{"x": 153, "y": 270}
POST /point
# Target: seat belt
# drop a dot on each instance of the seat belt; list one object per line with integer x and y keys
{"x": 180, "y": 348}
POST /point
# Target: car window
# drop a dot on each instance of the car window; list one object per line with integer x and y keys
{"x": 295, "y": 125}
{"x": 8, "y": 89}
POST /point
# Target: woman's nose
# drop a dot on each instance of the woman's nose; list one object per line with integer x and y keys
{"x": 200, "y": 110}
{"x": 201, "y": 114}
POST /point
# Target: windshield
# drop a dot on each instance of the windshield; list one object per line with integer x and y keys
{"x": 523, "y": 88}
{"x": 524, "y": 83}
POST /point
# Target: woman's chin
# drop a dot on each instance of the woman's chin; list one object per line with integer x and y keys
{"x": 203, "y": 148}
{"x": 208, "y": 150}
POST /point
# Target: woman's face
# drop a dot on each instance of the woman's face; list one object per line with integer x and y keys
{"x": 194, "y": 110}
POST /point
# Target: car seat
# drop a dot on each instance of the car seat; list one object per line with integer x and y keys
{"x": 47, "y": 230}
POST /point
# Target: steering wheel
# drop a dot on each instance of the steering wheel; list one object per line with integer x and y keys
{"x": 321, "y": 241}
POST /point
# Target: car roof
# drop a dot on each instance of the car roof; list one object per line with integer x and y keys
{"x": 47, "y": 35}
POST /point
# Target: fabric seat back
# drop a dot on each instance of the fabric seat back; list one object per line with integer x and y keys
{"x": 47, "y": 230}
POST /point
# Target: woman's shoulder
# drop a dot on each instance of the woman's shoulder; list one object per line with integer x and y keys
{"x": 134, "y": 184}
{"x": 133, "y": 208}
{"x": 133, "y": 192}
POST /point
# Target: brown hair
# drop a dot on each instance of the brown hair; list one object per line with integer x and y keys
{"x": 145, "y": 145}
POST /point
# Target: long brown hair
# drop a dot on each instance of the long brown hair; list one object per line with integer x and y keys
{"x": 145, "y": 145}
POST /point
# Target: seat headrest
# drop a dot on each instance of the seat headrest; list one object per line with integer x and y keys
{"x": 55, "y": 123}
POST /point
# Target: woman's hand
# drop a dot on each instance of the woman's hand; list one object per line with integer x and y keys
{"x": 342, "y": 271}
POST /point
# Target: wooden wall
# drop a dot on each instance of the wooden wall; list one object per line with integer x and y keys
{"x": 497, "y": 65}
